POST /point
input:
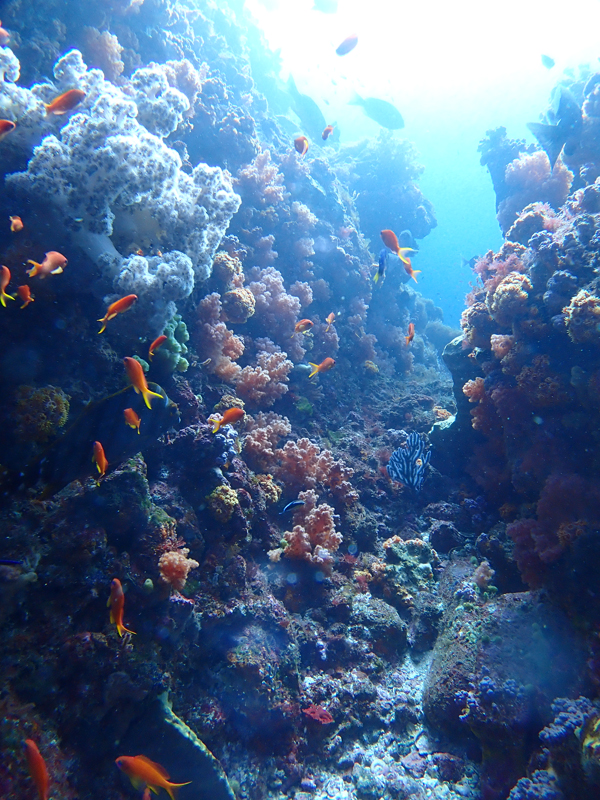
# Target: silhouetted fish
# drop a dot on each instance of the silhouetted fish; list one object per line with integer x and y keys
{"x": 563, "y": 126}
{"x": 548, "y": 62}
{"x": 313, "y": 121}
{"x": 380, "y": 111}
{"x": 70, "y": 456}
{"x": 406, "y": 239}
{"x": 464, "y": 262}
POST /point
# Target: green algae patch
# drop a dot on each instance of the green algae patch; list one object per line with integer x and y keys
{"x": 163, "y": 737}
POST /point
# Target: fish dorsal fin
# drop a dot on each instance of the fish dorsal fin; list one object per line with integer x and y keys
{"x": 161, "y": 770}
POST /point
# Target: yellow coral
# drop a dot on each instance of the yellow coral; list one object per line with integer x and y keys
{"x": 40, "y": 413}
{"x": 222, "y": 503}
{"x": 238, "y": 304}
{"x": 509, "y": 301}
{"x": 582, "y": 318}
{"x": 226, "y": 268}
{"x": 270, "y": 490}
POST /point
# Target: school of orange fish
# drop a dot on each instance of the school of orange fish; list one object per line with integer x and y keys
{"x": 144, "y": 773}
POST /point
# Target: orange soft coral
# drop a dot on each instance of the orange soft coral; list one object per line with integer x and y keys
{"x": 263, "y": 434}
{"x": 313, "y": 537}
{"x": 174, "y": 567}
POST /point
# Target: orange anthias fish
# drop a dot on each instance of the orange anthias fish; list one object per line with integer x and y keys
{"x": 118, "y": 307}
{"x": 24, "y": 293}
{"x": 328, "y": 363}
{"x": 411, "y": 333}
{"x": 158, "y": 342}
{"x": 231, "y": 416}
{"x": 327, "y": 132}
{"x": 6, "y": 126}
{"x": 116, "y": 603}
{"x": 135, "y": 373}
{"x": 16, "y": 224}
{"x": 143, "y": 772}
{"x": 390, "y": 240}
{"x": 303, "y": 326}
{"x": 347, "y": 45}
{"x": 65, "y": 102}
{"x": 53, "y": 264}
{"x": 132, "y": 419}
{"x": 4, "y": 281}
{"x": 37, "y": 769}
{"x": 330, "y": 319}
{"x": 409, "y": 270}
{"x": 99, "y": 459}
{"x": 301, "y": 145}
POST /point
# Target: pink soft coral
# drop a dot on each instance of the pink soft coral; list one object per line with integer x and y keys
{"x": 263, "y": 434}
{"x": 313, "y": 537}
{"x": 175, "y": 567}
{"x": 530, "y": 178}
{"x": 303, "y": 463}
{"x": 267, "y": 381}
{"x": 216, "y": 342}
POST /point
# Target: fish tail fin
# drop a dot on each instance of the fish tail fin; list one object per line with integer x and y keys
{"x": 414, "y": 272}
{"x": 4, "y": 297}
{"x": 217, "y": 425}
{"x": 376, "y": 277}
{"x": 122, "y": 629}
{"x": 403, "y": 252}
{"x": 148, "y": 394}
{"x": 551, "y": 139}
{"x": 34, "y": 270}
{"x": 315, "y": 369}
{"x": 103, "y": 328}
{"x": 172, "y": 786}
{"x": 355, "y": 100}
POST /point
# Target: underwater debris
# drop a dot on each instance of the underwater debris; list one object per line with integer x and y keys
{"x": 408, "y": 464}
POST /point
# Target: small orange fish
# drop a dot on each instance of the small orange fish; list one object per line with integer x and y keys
{"x": 16, "y": 224}
{"x": 136, "y": 376}
{"x": 37, "y": 769}
{"x": 330, "y": 319}
{"x": 65, "y": 102}
{"x": 99, "y": 459}
{"x": 231, "y": 416}
{"x": 6, "y": 126}
{"x": 158, "y": 342}
{"x": 143, "y": 772}
{"x": 25, "y": 295}
{"x": 303, "y": 326}
{"x": 53, "y": 264}
{"x": 116, "y": 603}
{"x": 301, "y": 145}
{"x": 328, "y": 363}
{"x": 390, "y": 241}
{"x": 411, "y": 333}
{"x": 409, "y": 270}
{"x": 347, "y": 45}
{"x": 4, "y": 36}
{"x": 118, "y": 307}
{"x": 327, "y": 132}
{"x": 132, "y": 419}
{"x": 4, "y": 281}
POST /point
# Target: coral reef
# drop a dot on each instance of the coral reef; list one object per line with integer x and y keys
{"x": 313, "y": 537}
